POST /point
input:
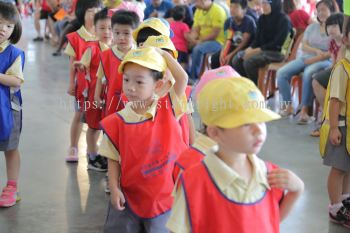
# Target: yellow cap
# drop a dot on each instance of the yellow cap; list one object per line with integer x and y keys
{"x": 146, "y": 57}
{"x": 233, "y": 102}
{"x": 160, "y": 25}
{"x": 162, "y": 42}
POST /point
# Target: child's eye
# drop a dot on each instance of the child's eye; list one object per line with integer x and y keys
{"x": 139, "y": 82}
{"x": 126, "y": 80}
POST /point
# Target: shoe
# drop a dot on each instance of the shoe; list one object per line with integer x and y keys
{"x": 57, "y": 54}
{"x": 107, "y": 190}
{"x": 98, "y": 164}
{"x": 305, "y": 120}
{"x": 9, "y": 197}
{"x": 315, "y": 133}
{"x": 342, "y": 217}
{"x": 72, "y": 156}
{"x": 346, "y": 203}
{"x": 285, "y": 113}
{"x": 38, "y": 39}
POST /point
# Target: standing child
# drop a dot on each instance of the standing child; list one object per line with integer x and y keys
{"x": 142, "y": 142}
{"x": 334, "y": 139}
{"x": 78, "y": 42}
{"x": 181, "y": 31}
{"x": 11, "y": 78}
{"x": 109, "y": 81}
{"x": 232, "y": 188}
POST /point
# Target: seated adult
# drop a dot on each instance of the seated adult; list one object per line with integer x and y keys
{"x": 254, "y": 9}
{"x": 207, "y": 34}
{"x": 158, "y": 8}
{"x": 300, "y": 19}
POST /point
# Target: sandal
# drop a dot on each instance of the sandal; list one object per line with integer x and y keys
{"x": 72, "y": 156}
{"x": 315, "y": 133}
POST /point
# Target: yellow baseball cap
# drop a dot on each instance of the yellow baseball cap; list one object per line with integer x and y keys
{"x": 160, "y": 25}
{"x": 162, "y": 42}
{"x": 232, "y": 102}
{"x": 146, "y": 57}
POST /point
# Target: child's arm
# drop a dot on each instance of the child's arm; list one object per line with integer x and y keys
{"x": 192, "y": 129}
{"x": 317, "y": 58}
{"x": 334, "y": 132}
{"x": 71, "y": 89}
{"x": 286, "y": 180}
{"x": 10, "y": 80}
{"x": 117, "y": 197}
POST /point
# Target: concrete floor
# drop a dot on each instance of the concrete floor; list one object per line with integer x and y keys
{"x": 57, "y": 197}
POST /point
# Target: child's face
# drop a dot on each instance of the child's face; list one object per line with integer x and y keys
{"x": 247, "y": 139}
{"x": 103, "y": 30}
{"x": 323, "y": 13}
{"x": 122, "y": 37}
{"x": 90, "y": 14}
{"x": 138, "y": 83}
{"x": 236, "y": 10}
{"x": 333, "y": 31}
{"x": 6, "y": 29}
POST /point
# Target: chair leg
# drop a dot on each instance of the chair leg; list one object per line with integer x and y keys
{"x": 262, "y": 82}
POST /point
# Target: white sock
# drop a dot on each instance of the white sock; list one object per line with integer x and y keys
{"x": 333, "y": 209}
{"x": 345, "y": 196}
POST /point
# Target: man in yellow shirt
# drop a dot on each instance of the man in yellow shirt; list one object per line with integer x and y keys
{"x": 207, "y": 35}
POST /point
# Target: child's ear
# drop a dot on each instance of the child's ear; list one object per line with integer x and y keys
{"x": 213, "y": 133}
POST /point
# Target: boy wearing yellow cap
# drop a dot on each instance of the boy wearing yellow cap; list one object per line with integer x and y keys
{"x": 142, "y": 142}
{"x": 233, "y": 189}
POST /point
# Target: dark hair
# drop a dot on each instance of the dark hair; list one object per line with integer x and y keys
{"x": 242, "y": 3}
{"x": 289, "y": 6}
{"x": 125, "y": 17}
{"x": 144, "y": 33}
{"x": 178, "y": 13}
{"x": 101, "y": 15}
{"x": 347, "y": 29}
{"x": 156, "y": 75}
{"x": 83, "y": 6}
{"x": 9, "y": 13}
{"x": 328, "y": 3}
{"x": 335, "y": 19}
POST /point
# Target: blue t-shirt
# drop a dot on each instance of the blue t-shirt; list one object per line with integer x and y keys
{"x": 247, "y": 26}
{"x": 253, "y": 13}
{"x": 162, "y": 9}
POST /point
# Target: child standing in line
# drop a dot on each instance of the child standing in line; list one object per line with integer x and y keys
{"x": 11, "y": 79}
{"x": 142, "y": 142}
{"x": 334, "y": 139}
{"x": 232, "y": 188}
{"x": 109, "y": 81}
{"x": 89, "y": 64}
{"x": 78, "y": 42}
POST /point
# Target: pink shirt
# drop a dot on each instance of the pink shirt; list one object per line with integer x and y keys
{"x": 179, "y": 28}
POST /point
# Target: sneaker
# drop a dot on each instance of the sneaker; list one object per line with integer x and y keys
{"x": 72, "y": 156}
{"x": 346, "y": 203}
{"x": 98, "y": 164}
{"x": 305, "y": 120}
{"x": 285, "y": 113}
{"x": 9, "y": 197}
{"x": 107, "y": 190}
{"x": 38, "y": 39}
{"x": 342, "y": 217}
{"x": 56, "y": 54}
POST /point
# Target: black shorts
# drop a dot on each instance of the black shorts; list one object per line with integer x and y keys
{"x": 44, "y": 14}
{"x": 323, "y": 77}
{"x": 182, "y": 57}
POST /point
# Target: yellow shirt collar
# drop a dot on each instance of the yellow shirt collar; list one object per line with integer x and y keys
{"x": 85, "y": 34}
{"x": 4, "y": 45}
{"x": 119, "y": 53}
{"x": 225, "y": 176}
{"x": 135, "y": 117}
{"x": 103, "y": 46}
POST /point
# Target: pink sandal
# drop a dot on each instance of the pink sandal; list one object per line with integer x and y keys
{"x": 72, "y": 156}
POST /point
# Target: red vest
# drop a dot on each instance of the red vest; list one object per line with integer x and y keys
{"x": 148, "y": 151}
{"x": 93, "y": 114}
{"x": 186, "y": 160}
{"x": 210, "y": 211}
{"x": 113, "y": 88}
{"x": 81, "y": 84}
{"x": 184, "y": 120}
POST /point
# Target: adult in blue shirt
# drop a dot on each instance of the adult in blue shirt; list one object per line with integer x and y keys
{"x": 158, "y": 8}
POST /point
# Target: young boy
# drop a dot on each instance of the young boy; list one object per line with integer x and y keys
{"x": 142, "y": 142}
{"x": 109, "y": 81}
{"x": 232, "y": 188}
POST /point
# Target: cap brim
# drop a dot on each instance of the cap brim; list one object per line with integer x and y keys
{"x": 247, "y": 117}
{"x": 139, "y": 62}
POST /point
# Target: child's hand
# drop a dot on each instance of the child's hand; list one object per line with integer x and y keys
{"x": 118, "y": 200}
{"x": 335, "y": 136}
{"x": 79, "y": 67}
{"x": 285, "y": 179}
{"x": 71, "y": 89}
{"x": 98, "y": 102}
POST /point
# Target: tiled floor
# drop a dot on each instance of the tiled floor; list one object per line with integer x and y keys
{"x": 66, "y": 198}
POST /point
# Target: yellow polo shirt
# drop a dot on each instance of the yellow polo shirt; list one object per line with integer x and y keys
{"x": 83, "y": 33}
{"x": 229, "y": 182}
{"x": 207, "y": 20}
{"x": 107, "y": 148}
{"x": 346, "y": 6}
{"x": 16, "y": 68}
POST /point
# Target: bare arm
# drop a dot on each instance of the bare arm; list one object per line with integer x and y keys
{"x": 10, "y": 80}
{"x": 242, "y": 45}
{"x": 117, "y": 197}
{"x": 309, "y": 49}
{"x": 72, "y": 72}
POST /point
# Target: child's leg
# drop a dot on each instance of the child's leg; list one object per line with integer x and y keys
{"x": 75, "y": 130}
{"x": 95, "y": 161}
{"x": 335, "y": 189}
{"x": 346, "y": 186}
{"x": 92, "y": 136}
{"x": 12, "y": 164}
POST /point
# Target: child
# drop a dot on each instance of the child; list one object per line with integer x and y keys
{"x": 123, "y": 23}
{"x": 78, "y": 42}
{"x": 232, "y": 188}
{"x": 142, "y": 143}
{"x": 334, "y": 143}
{"x": 180, "y": 30}
{"x": 11, "y": 78}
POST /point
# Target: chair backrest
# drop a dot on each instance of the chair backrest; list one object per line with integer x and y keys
{"x": 288, "y": 43}
{"x": 295, "y": 47}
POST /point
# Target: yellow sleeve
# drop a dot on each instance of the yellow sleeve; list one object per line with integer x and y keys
{"x": 218, "y": 17}
{"x": 108, "y": 150}
{"x": 100, "y": 73}
{"x": 196, "y": 18}
{"x": 86, "y": 58}
{"x": 179, "y": 221}
{"x": 346, "y": 7}
{"x": 69, "y": 50}
{"x": 16, "y": 69}
{"x": 338, "y": 83}
{"x": 179, "y": 104}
